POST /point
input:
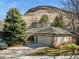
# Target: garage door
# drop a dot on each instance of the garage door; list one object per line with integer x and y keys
{"x": 44, "y": 40}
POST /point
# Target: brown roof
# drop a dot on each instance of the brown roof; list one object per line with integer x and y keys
{"x": 52, "y": 30}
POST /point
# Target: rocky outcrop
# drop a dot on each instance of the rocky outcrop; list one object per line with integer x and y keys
{"x": 36, "y": 13}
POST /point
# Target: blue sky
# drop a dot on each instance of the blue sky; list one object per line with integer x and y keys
{"x": 24, "y": 5}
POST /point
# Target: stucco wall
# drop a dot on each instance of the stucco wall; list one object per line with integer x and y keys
{"x": 54, "y": 41}
{"x": 63, "y": 39}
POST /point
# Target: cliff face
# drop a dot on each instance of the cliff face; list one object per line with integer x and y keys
{"x": 36, "y": 13}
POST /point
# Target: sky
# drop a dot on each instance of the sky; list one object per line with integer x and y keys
{"x": 24, "y": 5}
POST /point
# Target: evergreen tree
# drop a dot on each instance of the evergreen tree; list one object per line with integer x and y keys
{"x": 14, "y": 28}
{"x": 44, "y": 20}
{"x": 33, "y": 24}
{"x": 58, "y": 22}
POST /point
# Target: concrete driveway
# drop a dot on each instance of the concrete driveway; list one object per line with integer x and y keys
{"x": 36, "y": 46}
{"x": 21, "y": 51}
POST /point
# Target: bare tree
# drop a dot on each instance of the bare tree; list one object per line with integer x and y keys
{"x": 72, "y": 6}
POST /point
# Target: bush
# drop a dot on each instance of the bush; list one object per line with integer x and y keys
{"x": 73, "y": 46}
{"x": 68, "y": 49}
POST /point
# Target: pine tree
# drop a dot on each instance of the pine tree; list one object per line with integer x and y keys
{"x": 33, "y": 24}
{"x": 58, "y": 22}
{"x": 44, "y": 20}
{"x": 14, "y": 28}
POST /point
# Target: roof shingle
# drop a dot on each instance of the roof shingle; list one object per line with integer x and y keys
{"x": 52, "y": 30}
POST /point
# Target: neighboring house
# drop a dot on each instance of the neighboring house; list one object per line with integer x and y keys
{"x": 50, "y": 36}
{"x": 1, "y": 30}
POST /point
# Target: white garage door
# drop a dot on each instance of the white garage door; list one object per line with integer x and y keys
{"x": 44, "y": 40}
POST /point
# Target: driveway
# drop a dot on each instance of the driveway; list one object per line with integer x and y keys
{"x": 36, "y": 46}
{"x": 21, "y": 51}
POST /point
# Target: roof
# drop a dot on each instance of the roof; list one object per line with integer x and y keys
{"x": 54, "y": 30}
{"x": 1, "y": 27}
{"x": 35, "y": 30}
{"x": 50, "y": 30}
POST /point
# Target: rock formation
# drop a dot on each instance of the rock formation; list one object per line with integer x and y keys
{"x": 36, "y": 13}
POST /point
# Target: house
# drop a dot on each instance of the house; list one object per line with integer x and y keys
{"x": 1, "y": 29}
{"x": 50, "y": 36}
